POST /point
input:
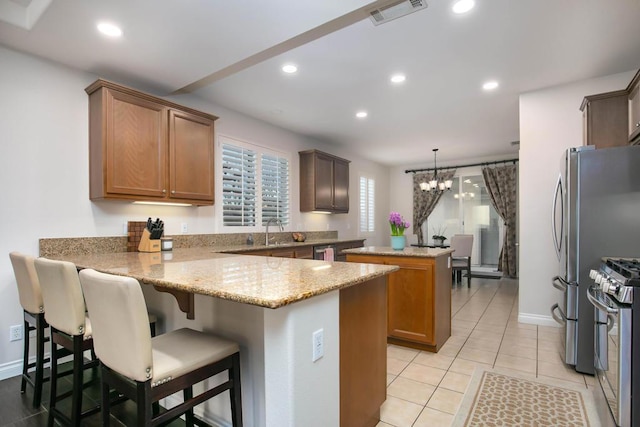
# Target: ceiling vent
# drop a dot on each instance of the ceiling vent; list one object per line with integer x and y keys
{"x": 395, "y": 10}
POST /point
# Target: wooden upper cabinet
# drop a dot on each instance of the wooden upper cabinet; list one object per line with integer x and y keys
{"x": 605, "y": 118}
{"x": 191, "y": 161}
{"x": 634, "y": 109}
{"x": 148, "y": 149}
{"x": 324, "y": 182}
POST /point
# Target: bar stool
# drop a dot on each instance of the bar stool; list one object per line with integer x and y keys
{"x": 33, "y": 307}
{"x": 69, "y": 328}
{"x": 147, "y": 369}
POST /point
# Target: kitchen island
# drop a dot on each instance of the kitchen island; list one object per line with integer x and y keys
{"x": 273, "y": 307}
{"x": 418, "y": 294}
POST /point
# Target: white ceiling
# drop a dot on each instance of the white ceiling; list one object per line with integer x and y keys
{"x": 230, "y": 52}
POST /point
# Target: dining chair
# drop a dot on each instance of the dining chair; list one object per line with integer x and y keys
{"x": 70, "y": 328}
{"x": 32, "y": 304}
{"x": 146, "y": 369}
{"x": 462, "y": 245}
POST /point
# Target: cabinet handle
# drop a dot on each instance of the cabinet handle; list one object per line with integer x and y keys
{"x": 173, "y": 191}
{"x": 164, "y": 191}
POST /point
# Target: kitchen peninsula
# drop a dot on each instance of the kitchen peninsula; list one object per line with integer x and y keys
{"x": 418, "y": 294}
{"x": 272, "y": 307}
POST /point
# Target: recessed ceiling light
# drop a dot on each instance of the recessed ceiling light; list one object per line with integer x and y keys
{"x": 361, "y": 114}
{"x": 463, "y": 6}
{"x": 289, "y": 68}
{"x": 109, "y": 29}
{"x": 398, "y": 78}
{"x": 490, "y": 85}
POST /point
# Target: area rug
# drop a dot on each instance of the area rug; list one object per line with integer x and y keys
{"x": 497, "y": 399}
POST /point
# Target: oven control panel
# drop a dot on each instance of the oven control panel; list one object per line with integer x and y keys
{"x": 612, "y": 286}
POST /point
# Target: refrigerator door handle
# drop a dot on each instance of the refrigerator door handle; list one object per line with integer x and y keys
{"x": 554, "y": 229}
{"x": 561, "y": 320}
{"x": 560, "y": 284}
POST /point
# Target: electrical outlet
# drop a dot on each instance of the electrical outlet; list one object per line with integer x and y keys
{"x": 15, "y": 333}
{"x": 318, "y": 345}
{"x": 184, "y": 227}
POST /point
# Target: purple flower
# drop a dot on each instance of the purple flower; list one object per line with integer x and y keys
{"x": 397, "y": 223}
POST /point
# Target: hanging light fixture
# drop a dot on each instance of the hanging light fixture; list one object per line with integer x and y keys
{"x": 435, "y": 185}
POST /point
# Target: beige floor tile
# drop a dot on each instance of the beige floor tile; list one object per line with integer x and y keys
{"x": 455, "y": 381}
{"x": 563, "y": 372}
{"x": 489, "y": 327}
{"x": 398, "y": 412}
{"x": 467, "y": 367}
{"x": 517, "y": 363}
{"x": 445, "y": 400}
{"x": 413, "y": 391}
{"x": 521, "y": 333}
{"x": 518, "y": 325}
{"x": 456, "y": 340}
{"x": 550, "y": 345}
{"x": 435, "y": 360}
{"x": 482, "y": 344}
{"x": 395, "y": 366}
{"x": 467, "y": 324}
{"x": 381, "y": 424}
{"x": 487, "y": 335}
{"x": 550, "y": 355}
{"x": 424, "y": 374}
{"x": 401, "y": 353}
{"x": 460, "y": 332}
{"x": 477, "y": 355}
{"x": 522, "y": 342}
{"x": 433, "y": 418}
{"x": 450, "y": 350}
{"x": 390, "y": 378}
{"x": 525, "y": 352}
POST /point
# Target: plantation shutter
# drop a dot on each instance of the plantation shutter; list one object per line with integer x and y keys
{"x": 275, "y": 188}
{"x": 367, "y": 204}
{"x": 238, "y": 186}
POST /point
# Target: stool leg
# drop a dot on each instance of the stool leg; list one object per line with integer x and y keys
{"x": 235, "y": 393}
{"x": 25, "y": 359}
{"x": 143, "y": 399}
{"x": 105, "y": 398}
{"x": 53, "y": 379}
{"x": 153, "y": 329}
{"x": 37, "y": 392}
{"x": 78, "y": 365}
{"x": 188, "y": 416}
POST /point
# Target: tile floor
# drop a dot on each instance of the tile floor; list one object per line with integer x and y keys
{"x": 426, "y": 389}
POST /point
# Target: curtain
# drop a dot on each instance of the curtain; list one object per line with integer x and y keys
{"x": 502, "y": 185}
{"x": 425, "y": 201}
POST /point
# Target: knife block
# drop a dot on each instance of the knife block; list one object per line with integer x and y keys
{"x": 148, "y": 245}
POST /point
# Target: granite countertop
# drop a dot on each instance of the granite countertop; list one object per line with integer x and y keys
{"x": 406, "y": 252}
{"x": 269, "y": 282}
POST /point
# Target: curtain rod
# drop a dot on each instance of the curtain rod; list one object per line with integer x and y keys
{"x": 496, "y": 162}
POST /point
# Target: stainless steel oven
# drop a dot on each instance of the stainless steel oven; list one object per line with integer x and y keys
{"x": 617, "y": 341}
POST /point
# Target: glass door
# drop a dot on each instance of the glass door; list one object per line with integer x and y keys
{"x": 467, "y": 209}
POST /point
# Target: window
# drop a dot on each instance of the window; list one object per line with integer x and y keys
{"x": 244, "y": 202}
{"x": 367, "y": 205}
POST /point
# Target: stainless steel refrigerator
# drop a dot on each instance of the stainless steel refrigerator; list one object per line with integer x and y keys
{"x": 596, "y": 213}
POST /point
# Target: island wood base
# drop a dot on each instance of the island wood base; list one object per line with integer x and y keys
{"x": 418, "y": 299}
{"x": 363, "y": 353}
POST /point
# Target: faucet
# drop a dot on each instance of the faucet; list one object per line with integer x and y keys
{"x": 266, "y": 234}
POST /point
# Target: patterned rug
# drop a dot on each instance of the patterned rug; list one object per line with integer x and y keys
{"x": 507, "y": 400}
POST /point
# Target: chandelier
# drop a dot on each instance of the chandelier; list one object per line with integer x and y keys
{"x": 436, "y": 185}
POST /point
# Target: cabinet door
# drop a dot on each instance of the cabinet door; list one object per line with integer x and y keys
{"x": 634, "y": 112}
{"x": 136, "y": 148}
{"x": 324, "y": 182}
{"x": 341, "y": 186}
{"x": 410, "y": 303}
{"x": 191, "y": 157}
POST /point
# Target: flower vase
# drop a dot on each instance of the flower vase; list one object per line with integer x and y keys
{"x": 397, "y": 243}
{"x": 438, "y": 242}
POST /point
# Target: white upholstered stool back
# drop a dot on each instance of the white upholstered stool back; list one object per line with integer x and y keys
{"x": 27, "y": 281}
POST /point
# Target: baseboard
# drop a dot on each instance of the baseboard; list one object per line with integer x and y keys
{"x": 537, "y": 319}
{"x": 10, "y": 369}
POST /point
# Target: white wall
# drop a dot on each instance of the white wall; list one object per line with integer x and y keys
{"x": 550, "y": 122}
{"x": 44, "y": 171}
